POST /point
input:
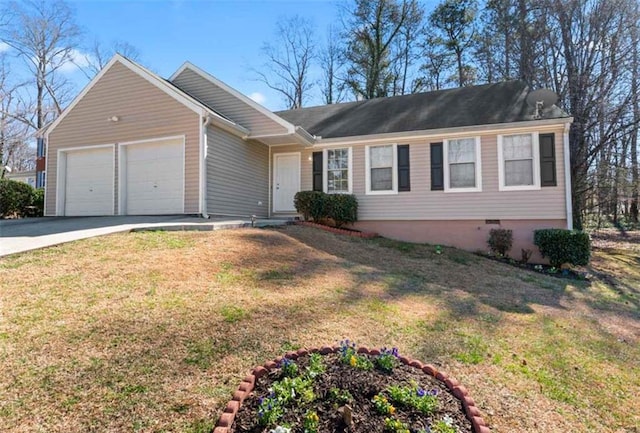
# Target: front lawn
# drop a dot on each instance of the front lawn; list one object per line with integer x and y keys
{"x": 152, "y": 331}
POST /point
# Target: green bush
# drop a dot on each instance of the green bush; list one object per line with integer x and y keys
{"x": 563, "y": 246}
{"x": 342, "y": 208}
{"x": 311, "y": 204}
{"x": 15, "y": 198}
{"x": 38, "y": 201}
{"x": 500, "y": 241}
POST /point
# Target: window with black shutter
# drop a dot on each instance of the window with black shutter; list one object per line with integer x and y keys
{"x": 547, "y": 160}
{"x": 404, "y": 178}
{"x": 437, "y": 167}
{"x": 317, "y": 171}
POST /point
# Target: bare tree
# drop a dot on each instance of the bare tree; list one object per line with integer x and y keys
{"x": 635, "y": 93}
{"x": 435, "y": 69}
{"x": 586, "y": 41}
{"x": 496, "y": 40}
{"x": 406, "y": 49}
{"x": 455, "y": 21}
{"x": 289, "y": 60}
{"x": 332, "y": 86}
{"x": 99, "y": 55}
{"x": 370, "y": 31}
{"x": 12, "y": 132}
{"x": 44, "y": 35}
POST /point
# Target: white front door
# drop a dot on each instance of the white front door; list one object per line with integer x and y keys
{"x": 286, "y": 181}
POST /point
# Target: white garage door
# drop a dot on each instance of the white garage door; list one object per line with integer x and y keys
{"x": 89, "y": 182}
{"x": 153, "y": 178}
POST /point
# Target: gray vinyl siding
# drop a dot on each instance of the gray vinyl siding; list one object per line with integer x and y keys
{"x": 237, "y": 175}
{"x": 145, "y": 112}
{"x": 423, "y": 204}
{"x": 227, "y": 104}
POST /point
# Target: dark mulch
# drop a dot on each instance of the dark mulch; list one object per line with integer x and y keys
{"x": 569, "y": 274}
{"x": 363, "y": 386}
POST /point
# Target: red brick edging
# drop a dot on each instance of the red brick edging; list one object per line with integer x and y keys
{"x": 363, "y": 235}
{"x": 246, "y": 386}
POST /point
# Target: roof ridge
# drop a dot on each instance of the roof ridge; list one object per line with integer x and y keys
{"x": 407, "y": 95}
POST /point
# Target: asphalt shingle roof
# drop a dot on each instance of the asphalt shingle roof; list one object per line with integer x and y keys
{"x": 476, "y": 105}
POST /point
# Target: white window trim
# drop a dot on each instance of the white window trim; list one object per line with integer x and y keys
{"x": 536, "y": 164}
{"x": 478, "y": 166}
{"x": 325, "y": 171}
{"x": 394, "y": 170}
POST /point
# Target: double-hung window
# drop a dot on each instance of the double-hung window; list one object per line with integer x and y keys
{"x": 381, "y": 169}
{"x": 338, "y": 169}
{"x": 518, "y": 162}
{"x": 462, "y": 167}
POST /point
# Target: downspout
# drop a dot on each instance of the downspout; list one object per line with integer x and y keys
{"x": 203, "y": 165}
{"x": 567, "y": 176}
{"x": 270, "y": 192}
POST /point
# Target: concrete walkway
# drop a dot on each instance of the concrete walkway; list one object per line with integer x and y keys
{"x": 27, "y": 234}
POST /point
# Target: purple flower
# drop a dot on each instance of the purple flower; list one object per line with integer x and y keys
{"x": 285, "y": 362}
{"x": 421, "y": 392}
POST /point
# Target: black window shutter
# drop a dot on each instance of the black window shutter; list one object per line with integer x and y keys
{"x": 317, "y": 171}
{"x": 437, "y": 167}
{"x": 404, "y": 178}
{"x": 547, "y": 160}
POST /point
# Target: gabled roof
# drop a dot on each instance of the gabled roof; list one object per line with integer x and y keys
{"x": 171, "y": 90}
{"x": 238, "y": 95}
{"x": 488, "y": 104}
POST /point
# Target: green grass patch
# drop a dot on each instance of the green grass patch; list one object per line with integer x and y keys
{"x": 475, "y": 350}
{"x": 205, "y": 352}
{"x": 232, "y": 313}
{"x": 200, "y": 426}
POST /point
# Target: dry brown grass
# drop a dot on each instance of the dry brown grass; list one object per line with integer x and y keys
{"x": 152, "y": 331}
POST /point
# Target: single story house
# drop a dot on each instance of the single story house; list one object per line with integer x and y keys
{"x": 441, "y": 167}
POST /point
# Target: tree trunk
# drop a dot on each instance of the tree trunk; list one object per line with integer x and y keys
{"x": 635, "y": 90}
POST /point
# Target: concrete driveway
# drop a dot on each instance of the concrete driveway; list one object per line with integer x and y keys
{"x": 21, "y": 235}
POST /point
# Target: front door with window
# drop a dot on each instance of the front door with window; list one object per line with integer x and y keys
{"x": 286, "y": 181}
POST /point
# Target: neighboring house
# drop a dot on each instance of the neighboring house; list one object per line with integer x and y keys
{"x": 440, "y": 167}
{"x": 28, "y": 177}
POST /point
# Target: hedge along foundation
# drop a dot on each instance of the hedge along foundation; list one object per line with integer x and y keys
{"x": 248, "y": 383}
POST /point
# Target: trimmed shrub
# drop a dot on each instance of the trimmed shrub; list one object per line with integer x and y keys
{"x": 15, "y": 197}
{"x": 563, "y": 246}
{"x": 500, "y": 241}
{"x": 342, "y": 208}
{"x": 38, "y": 201}
{"x": 311, "y": 204}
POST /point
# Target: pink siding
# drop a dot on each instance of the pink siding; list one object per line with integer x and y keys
{"x": 423, "y": 204}
{"x": 469, "y": 235}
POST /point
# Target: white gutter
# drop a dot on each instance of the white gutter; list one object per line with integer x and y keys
{"x": 304, "y": 137}
{"x": 299, "y": 135}
{"x": 567, "y": 175}
{"x": 488, "y": 129}
{"x": 227, "y": 126}
{"x": 203, "y": 165}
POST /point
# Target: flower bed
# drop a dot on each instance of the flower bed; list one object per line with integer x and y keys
{"x": 345, "y": 388}
{"x": 348, "y": 232}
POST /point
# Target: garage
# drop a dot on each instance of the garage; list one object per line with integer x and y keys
{"x": 87, "y": 182}
{"x": 152, "y": 177}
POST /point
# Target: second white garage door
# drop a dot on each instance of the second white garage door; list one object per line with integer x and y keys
{"x": 153, "y": 177}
